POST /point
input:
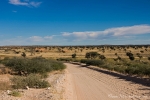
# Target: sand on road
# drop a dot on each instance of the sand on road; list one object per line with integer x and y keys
{"x": 83, "y": 83}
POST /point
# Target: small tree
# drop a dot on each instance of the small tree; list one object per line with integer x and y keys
{"x": 94, "y": 54}
{"x": 87, "y": 55}
{"x": 142, "y": 51}
{"x": 74, "y": 55}
{"x": 23, "y": 54}
{"x": 131, "y": 57}
{"x": 140, "y": 57}
{"x": 149, "y": 58}
{"x": 102, "y": 57}
{"x": 119, "y": 58}
{"x": 91, "y": 55}
{"x": 32, "y": 51}
{"x": 129, "y": 54}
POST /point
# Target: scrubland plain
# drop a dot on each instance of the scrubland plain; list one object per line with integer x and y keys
{"x": 93, "y": 72}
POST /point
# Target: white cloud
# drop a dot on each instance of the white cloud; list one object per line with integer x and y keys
{"x": 36, "y": 38}
{"x": 108, "y": 33}
{"x": 25, "y": 3}
{"x": 18, "y": 2}
{"x": 48, "y": 37}
{"x": 40, "y": 39}
{"x": 132, "y": 30}
{"x": 35, "y": 4}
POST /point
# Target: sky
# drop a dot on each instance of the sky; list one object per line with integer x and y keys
{"x": 74, "y": 22}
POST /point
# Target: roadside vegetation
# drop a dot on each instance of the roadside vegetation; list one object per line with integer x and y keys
{"x": 30, "y": 72}
{"x": 37, "y": 65}
{"x": 24, "y": 61}
{"x": 126, "y": 67}
{"x": 120, "y": 65}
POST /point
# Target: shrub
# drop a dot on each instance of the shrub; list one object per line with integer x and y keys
{"x": 149, "y": 58}
{"x": 15, "y": 94}
{"x": 23, "y": 54}
{"x": 74, "y": 55}
{"x": 18, "y": 82}
{"x": 129, "y": 54}
{"x": 120, "y": 69}
{"x": 32, "y": 80}
{"x": 102, "y": 57}
{"x": 138, "y": 69}
{"x": 91, "y": 55}
{"x": 109, "y": 67}
{"x": 34, "y": 65}
{"x": 131, "y": 57}
{"x": 147, "y": 71}
{"x": 65, "y": 59}
{"x": 35, "y": 80}
{"x": 92, "y": 62}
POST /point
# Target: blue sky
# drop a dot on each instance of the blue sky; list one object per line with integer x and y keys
{"x": 74, "y": 22}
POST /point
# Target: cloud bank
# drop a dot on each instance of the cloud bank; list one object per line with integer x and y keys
{"x": 108, "y": 33}
{"x": 39, "y": 38}
{"x": 25, "y": 3}
{"x": 137, "y": 34}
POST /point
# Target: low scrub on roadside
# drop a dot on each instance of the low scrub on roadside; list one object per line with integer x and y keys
{"x": 32, "y": 72}
{"x": 32, "y": 80}
{"x": 125, "y": 67}
{"x": 34, "y": 65}
{"x": 94, "y": 62}
{"x": 65, "y": 59}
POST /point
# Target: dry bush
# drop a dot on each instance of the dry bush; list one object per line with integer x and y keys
{"x": 32, "y": 80}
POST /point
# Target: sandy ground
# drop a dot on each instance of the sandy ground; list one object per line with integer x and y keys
{"x": 86, "y": 84}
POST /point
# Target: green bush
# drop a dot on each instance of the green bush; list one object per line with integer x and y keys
{"x": 15, "y": 94}
{"x": 120, "y": 69}
{"x": 32, "y": 80}
{"x": 109, "y": 67}
{"x": 125, "y": 67}
{"x": 65, "y": 59}
{"x": 73, "y": 55}
{"x": 138, "y": 69}
{"x": 92, "y": 62}
{"x": 34, "y": 65}
{"x": 91, "y": 55}
{"x": 18, "y": 82}
{"x": 148, "y": 58}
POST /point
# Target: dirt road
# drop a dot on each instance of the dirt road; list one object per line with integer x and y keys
{"x": 86, "y": 84}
